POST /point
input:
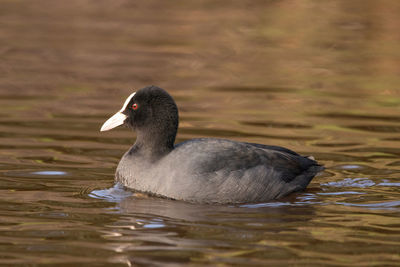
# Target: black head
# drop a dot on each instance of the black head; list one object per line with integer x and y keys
{"x": 152, "y": 113}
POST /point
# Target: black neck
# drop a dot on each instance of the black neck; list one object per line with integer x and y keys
{"x": 154, "y": 144}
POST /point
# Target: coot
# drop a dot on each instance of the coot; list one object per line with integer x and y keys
{"x": 204, "y": 170}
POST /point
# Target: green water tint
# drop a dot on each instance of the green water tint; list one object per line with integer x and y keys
{"x": 316, "y": 77}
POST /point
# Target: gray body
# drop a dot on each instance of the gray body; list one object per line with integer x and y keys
{"x": 218, "y": 171}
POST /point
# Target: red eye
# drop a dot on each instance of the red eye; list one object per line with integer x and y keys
{"x": 135, "y": 106}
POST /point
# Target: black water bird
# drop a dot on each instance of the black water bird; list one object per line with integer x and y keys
{"x": 204, "y": 170}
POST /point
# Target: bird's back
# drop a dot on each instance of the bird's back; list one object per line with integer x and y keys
{"x": 220, "y": 171}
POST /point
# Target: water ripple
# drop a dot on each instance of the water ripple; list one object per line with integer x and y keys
{"x": 349, "y": 182}
{"x": 113, "y": 194}
{"x": 50, "y": 173}
{"x": 379, "y": 205}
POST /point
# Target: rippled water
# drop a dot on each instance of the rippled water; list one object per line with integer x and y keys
{"x": 321, "y": 78}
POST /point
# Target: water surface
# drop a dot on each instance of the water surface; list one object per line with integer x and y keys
{"x": 320, "y": 78}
